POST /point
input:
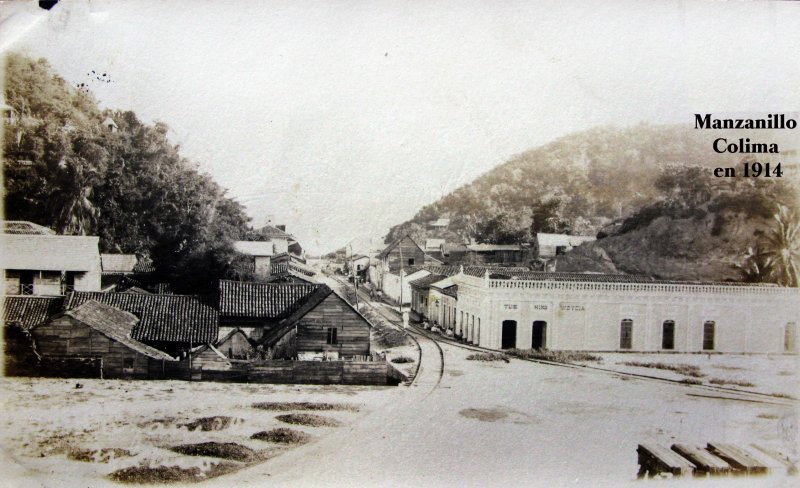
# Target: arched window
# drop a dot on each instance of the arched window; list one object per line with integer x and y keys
{"x": 708, "y": 335}
{"x": 790, "y": 337}
{"x": 626, "y": 334}
{"x": 668, "y": 334}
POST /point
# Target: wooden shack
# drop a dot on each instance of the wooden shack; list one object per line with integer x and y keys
{"x": 236, "y": 345}
{"x": 402, "y": 253}
{"x": 94, "y": 336}
{"x": 325, "y": 326}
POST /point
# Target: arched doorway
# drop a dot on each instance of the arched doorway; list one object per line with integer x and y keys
{"x": 509, "y": 337}
{"x": 539, "y": 339}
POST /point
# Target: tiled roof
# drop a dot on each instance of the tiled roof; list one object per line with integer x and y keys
{"x": 25, "y": 227}
{"x": 118, "y": 263}
{"x": 50, "y": 252}
{"x": 607, "y": 278}
{"x": 144, "y": 265}
{"x": 426, "y": 281}
{"x": 261, "y": 300}
{"x": 30, "y": 311}
{"x": 271, "y": 231}
{"x": 115, "y": 324}
{"x": 169, "y": 318}
{"x": 474, "y": 270}
{"x": 285, "y": 268}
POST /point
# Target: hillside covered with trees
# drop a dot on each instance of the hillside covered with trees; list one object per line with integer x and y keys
{"x": 648, "y": 192}
{"x": 63, "y": 169}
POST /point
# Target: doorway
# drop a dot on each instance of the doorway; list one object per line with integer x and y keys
{"x": 539, "y": 339}
{"x": 509, "y": 337}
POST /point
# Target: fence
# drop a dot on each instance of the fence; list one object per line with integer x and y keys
{"x": 295, "y": 372}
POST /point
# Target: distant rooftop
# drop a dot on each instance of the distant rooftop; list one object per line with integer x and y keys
{"x": 25, "y": 227}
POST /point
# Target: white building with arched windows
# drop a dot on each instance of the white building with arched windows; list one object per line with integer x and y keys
{"x": 596, "y": 312}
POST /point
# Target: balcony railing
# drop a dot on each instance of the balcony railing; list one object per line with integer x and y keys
{"x": 67, "y": 289}
{"x": 26, "y": 289}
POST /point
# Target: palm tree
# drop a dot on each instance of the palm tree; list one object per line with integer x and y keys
{"x": 755, "y": 266}
{"x": 782, "y": 247}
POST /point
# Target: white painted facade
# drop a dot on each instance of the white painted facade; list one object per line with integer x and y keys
{"x": 588, "y": 315}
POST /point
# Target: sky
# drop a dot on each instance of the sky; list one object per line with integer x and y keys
{"x": 342, "y": 118}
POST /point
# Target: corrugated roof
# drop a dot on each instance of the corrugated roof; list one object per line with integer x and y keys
{"x": 255, "y": 248}
{"x": 118, "y": 263}
{"x": 50, "y": 252}
{"x": 545, "y": 239}
{"x": 115, "y": 324}
{"x": 261, "y": 300}
{"x": 493, "y": 247}
{"x": 30, "y": 311}
{"x": 169, "y": 318}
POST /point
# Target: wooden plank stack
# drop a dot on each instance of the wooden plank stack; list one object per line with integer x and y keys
{"x": 714, "y": 460}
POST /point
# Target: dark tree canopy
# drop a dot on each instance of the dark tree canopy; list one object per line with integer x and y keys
{"x": 131, "y": 186}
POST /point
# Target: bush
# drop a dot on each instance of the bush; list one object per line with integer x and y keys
{"x": 684, "y": 369}
{"x": 719, "y": 381}
{"x": 566, "y": 357}
{"x": 487, "y": 356}
{"x": 287, "y": 406}
{"x": 402, "y": 360}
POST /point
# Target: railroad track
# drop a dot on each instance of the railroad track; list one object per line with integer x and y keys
{"x": 734, "y": 394}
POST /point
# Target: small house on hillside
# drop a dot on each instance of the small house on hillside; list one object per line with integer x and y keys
{"x": 508, "y": 254}
{"x": 171, "y": 323}
{"x": 97, "y": 333}
{"x": 401, "y": 253}
{"x": 551, "y": 245}
{"x": 39, "y": 262}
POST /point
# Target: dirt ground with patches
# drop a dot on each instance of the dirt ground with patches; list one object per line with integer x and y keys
{"x": 107, "y": 431}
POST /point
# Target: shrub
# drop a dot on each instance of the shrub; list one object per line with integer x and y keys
{"x": 684, "y": 369}
{"x": 287, "y": 406}
{"x": 402, "y": 360}
{"x": 224, "y": 450}
{"x": 566, "y": 357}
{"x": 719, "y": 381}
{"x": 487, "y": 356}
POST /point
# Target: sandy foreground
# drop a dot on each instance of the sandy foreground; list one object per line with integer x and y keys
{"x": 483, "y": 424}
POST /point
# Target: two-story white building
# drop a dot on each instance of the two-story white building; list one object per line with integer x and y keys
{"x": 37, "y": 261}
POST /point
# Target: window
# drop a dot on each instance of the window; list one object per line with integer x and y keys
{"x": 332, "y": 335}
{"x": 708, "y": 335}
{"x": 411, "y": 261}
{"x": 626, "y": 334}
{"x": 127, "y": 365}
{"x": 668, "y": 335}
{"x": 790, "y": 337}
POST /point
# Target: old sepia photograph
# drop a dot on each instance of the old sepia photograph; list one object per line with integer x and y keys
{"x": 400, "y": 243}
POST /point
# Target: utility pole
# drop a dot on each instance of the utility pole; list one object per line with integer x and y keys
{"x": 353, "y": 271}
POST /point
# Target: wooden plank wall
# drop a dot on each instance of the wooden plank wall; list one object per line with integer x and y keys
{"x": 67, "y": 337}
{"x": 352, "y": 329}
{"x": 409, "y": 251}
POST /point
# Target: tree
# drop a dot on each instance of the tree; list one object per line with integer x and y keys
{"x": 782, "y": 247}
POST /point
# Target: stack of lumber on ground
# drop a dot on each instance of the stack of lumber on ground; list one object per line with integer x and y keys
{"x": 713, "y": 460}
